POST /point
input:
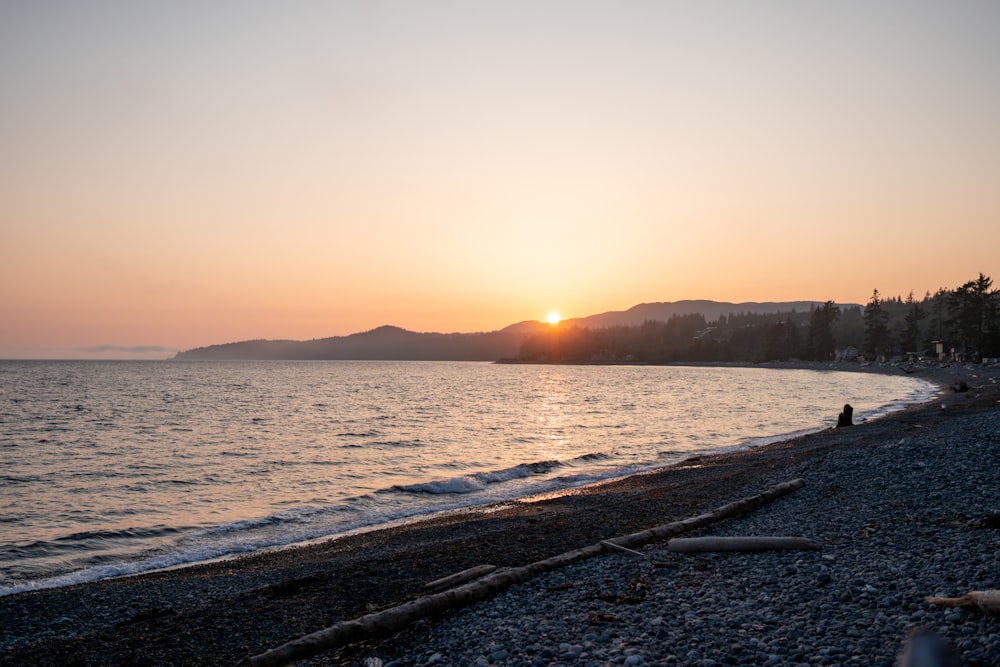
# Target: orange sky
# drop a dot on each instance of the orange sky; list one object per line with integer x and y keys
{"x": 181, "y": 175}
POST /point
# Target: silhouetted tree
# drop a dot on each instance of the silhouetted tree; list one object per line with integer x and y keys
{"x": 970, "y": 308}
{"x": 914, "y": 314}
{"x": 876, "y": 326}
{"x": 820, "y": 343}
{"x": 783, "y": 340}
{"x": 938, "y": 327}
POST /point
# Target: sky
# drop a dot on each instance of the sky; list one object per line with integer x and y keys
{"x": 180, "y": 174}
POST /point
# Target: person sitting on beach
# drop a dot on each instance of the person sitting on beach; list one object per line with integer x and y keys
{"x": 845, "y": 418}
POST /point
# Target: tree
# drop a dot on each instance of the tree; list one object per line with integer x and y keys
{"x": 819, "y": 342}
{"x": 971, "y": 311}
{"x": 876, "y": 326}
{"x": 937, "y": 329}
{"x": 914, "y": 313}
{"x": 782, "y": 340}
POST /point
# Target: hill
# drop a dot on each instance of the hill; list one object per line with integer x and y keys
{"x": 394, "y": 343}
{"x": 383, "y": 343}
{"x": 663, "y": 311}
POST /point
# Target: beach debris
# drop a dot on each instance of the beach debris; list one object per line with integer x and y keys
{"x": 389, "y": 621}
{"x": 846, "y": 416}
{"x": 615, "y": 547}
{"x": 689, "y": 545}
{"x": 986, "y": 522}
{"x": 459, "y": 578}
{"x": 988, "y": 601}
{"x": 597, "y": 617}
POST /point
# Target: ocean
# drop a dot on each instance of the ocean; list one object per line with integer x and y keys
{"x": 115, "y": 468}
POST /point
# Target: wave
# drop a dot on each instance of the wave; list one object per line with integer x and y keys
{"x": 479, "y": 481}
{"x": 83, "y": 542}
{"x": 291, "y": 516}
{"x": 121, "y": 569}
{"x": 124, "y": 533}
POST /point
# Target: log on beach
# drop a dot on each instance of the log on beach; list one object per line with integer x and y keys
{"x": 988, "y": 601}
{"x": 389, "y": 621}
{"x": 459, "y": 578}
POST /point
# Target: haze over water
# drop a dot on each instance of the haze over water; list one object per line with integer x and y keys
{"x": 111, "y": 468}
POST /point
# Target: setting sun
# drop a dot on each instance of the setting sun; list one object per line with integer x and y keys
{"x": 553, "y": 317}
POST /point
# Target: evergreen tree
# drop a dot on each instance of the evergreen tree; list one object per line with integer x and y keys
{"x": 876, "y": 326}
{"x": 914, "y": 313}
{"x": 937, "y": 329}
{"x": 969, "y": 309}
{"x": 782, "y": 340}
{"x": 820, "y": 344}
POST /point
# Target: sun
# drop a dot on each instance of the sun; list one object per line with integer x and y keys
{"x": 553, "y": 317}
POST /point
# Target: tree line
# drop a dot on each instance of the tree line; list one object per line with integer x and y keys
{"x": 963, "y": 322}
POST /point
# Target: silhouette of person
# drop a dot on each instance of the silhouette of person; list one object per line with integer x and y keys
{"x": 845, "y": 418}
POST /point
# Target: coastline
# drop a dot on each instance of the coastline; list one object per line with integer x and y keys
{"x": 219, "y": 612}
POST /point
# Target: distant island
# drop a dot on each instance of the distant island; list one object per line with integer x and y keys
{"x": 394, "y": 343}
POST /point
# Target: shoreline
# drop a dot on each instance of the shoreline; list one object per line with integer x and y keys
{"x": 112, "y": 570}
{"x": 767, "y": 432}
{"x": 216, "y": 613}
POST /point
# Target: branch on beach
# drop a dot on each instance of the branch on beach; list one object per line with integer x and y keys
{"x": 394, "y": 619}
{"x": 620, "y": 549}
{"x": 988, "y": 601}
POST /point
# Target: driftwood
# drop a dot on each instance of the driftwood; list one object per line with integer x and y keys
{"x": 988, "y": 601}
{"x": 626, "y": 550}
{"x": 388, "y": 621}
{"x": 690, "y": 545}
{"x": 459, "y": 578}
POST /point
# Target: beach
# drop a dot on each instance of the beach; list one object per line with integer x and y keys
{"x": 901, "y": 507}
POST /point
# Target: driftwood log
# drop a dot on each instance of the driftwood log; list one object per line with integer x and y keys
{"x": 988, "y": 601}
{"x": 690, "y": 545}
{"x": 389, "y": 621}
{"x": 459, "y": 578}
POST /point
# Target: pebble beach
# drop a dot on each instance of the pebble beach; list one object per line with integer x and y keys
{"x": 902, "y": 508}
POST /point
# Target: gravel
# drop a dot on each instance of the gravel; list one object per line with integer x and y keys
{"x": 914, "y": 517}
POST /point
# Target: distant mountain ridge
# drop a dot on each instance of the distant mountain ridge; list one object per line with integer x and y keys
{"x": 712, "y": 310}
{"x": 392, "y": 343}
{"x": 382, "y": 343}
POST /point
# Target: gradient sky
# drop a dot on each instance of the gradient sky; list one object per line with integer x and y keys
{"x": 177, "y": 174}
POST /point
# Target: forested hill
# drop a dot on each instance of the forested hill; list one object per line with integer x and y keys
{"x": 394, "y": 343}
{"x": 383, "y": 343}
{"x": 711, "y": 310}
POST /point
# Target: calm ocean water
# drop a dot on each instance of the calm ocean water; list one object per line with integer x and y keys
{"x": 112, "y": 468}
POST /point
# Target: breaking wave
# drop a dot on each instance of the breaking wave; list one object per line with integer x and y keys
{"x": 479, "y": 481}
